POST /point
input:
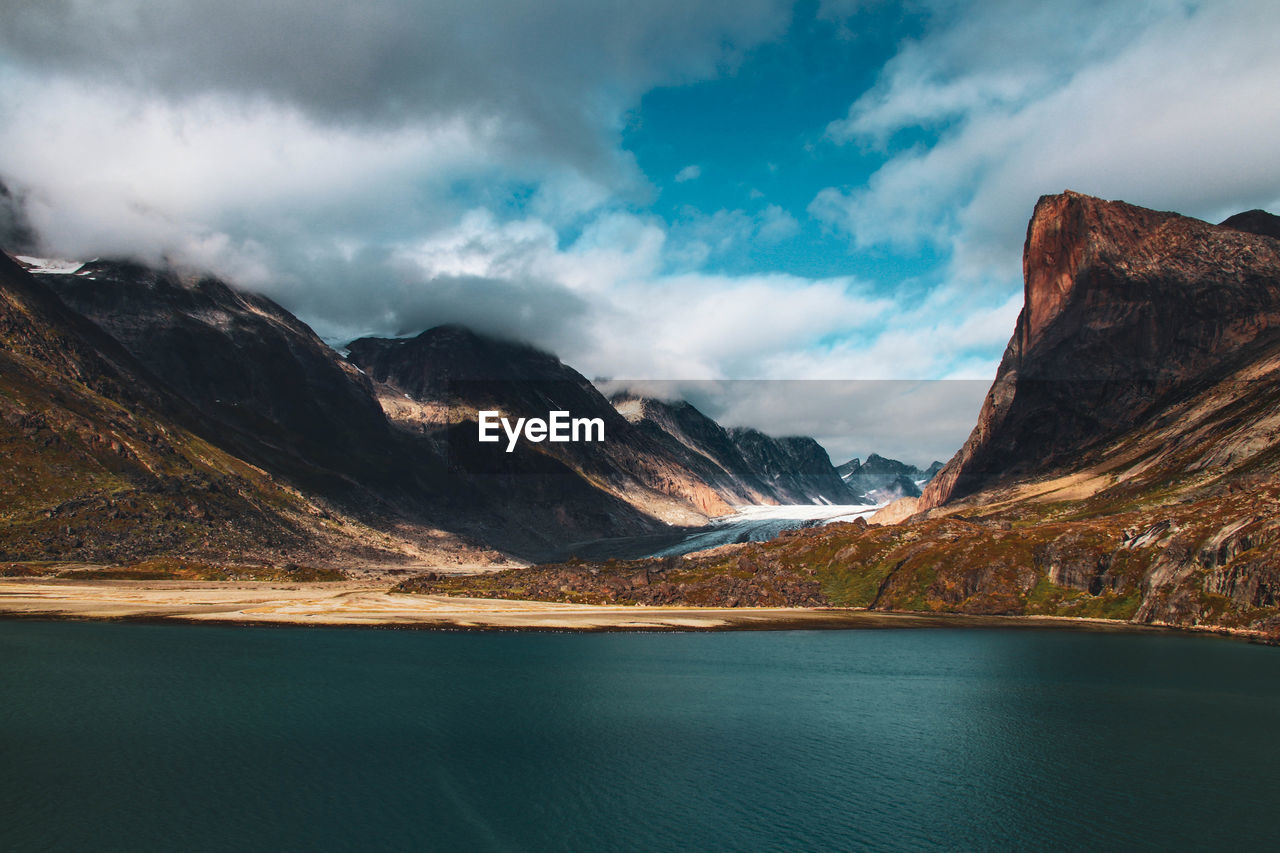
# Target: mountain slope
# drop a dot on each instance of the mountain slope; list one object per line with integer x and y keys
{"x": 450, "y": 373}
{"x": 276, "y": 390}
{"x": 730, "y": 461}
{"x": 258, "y": 384}
{"x": 103, "y": 464}
{"x": 795, "y": 469}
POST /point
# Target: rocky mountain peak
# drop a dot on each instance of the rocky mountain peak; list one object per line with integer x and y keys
{"x": 1254, "y": 222}
{"x": 1123, "y": 306}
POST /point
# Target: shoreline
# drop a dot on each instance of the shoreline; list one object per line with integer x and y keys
{"x": 361, "y": 604}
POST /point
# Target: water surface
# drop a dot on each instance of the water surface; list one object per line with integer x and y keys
{"x": 178, "y": 737}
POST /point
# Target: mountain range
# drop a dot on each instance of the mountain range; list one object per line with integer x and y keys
{"x": 880, "y": 480}
{"x": 1125, "y": 463}
{"x": 280, "y": 450}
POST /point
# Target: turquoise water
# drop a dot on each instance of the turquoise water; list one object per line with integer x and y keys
{"x": 160, "y": 737}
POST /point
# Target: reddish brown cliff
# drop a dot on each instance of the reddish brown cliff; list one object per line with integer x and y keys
{"x": 1126, "y": 311}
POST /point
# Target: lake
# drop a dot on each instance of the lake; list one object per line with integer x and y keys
{"x": 121, "y": 736}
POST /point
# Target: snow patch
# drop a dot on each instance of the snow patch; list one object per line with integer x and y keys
{"x": 825, "y": 513}
{"x": 48, "y": 266}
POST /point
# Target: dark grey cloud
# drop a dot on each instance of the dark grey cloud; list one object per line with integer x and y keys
{"x": 376, "y": 293}
{"x": 555, "y": 73}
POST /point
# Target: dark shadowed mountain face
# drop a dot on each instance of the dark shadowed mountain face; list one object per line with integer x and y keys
{"x": 278, "y": 392}
{"x": 1126, "y": 310}
{"x": 796, "y": 469}
{"x": 16, "y": 233}
{"x": 259, "y": 384}
{"x": 100, "y": 461}
{"x": 1255, "y": 222}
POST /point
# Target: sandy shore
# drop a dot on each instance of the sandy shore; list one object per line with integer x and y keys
{"x": 361, "y": 603}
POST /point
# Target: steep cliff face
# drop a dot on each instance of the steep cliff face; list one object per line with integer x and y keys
{"x": 1126, "y": 310}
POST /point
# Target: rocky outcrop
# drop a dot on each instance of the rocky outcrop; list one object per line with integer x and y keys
{"x": 1125, "y": 311}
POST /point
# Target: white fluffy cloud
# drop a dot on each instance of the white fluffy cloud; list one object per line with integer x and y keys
{"x": 1165, "y": 104}
{"x": 633, "y": 318}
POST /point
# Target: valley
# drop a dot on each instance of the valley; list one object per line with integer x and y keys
{"x": 161, "y": 426}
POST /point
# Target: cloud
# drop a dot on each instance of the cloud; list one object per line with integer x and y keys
{"x": 606, "y": 303}
{"x": 697, "y": 237}
{"x": 110, "y": 171}
{"x": 689, "y": 173}
{"x": 1165, "y": 104}
{"x": 776, "y": 225}
{"x": 189, "y": 127}
{"x": 555, "y": 75}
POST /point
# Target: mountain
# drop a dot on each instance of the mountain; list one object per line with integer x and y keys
{"x": 743, "y": 465}
{"x": 256, "y": 383}
{"x": 104, "y": 463}
{"x": 1126, "y": 462}
{"x": 796, "y": 468}
{"x": 701, "y": 445}
{"x": 448, "y": 374}
{"x": 1125, "y": 465}
{"x": 848, "y": 468}
{"x": 880, "y": 480}
{"x": 279, "y": 395}
{"x": 380, "y": 446}
{"x": 1127, "y": 312}
{"x": 1255, "y": 222}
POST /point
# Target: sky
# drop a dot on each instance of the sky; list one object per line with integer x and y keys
{"x": 706, "y": 190}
